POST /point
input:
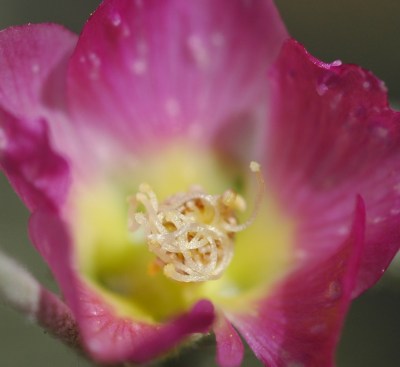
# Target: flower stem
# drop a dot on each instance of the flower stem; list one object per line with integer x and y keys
{"x": 56, "y": 318}
{"x": 22, "y": 292}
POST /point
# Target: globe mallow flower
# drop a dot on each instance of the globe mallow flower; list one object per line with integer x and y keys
{"x": 190, "y": 169}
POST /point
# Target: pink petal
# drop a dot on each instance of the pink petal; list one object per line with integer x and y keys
{"x": 32, "y": 58}
{"x": 109, "y": 338}
{"x": 333, "y": 136}
{"x": 230, "y": 348}
{"x": 38, "y": 174}
{"x": 150, "y": 68}
{"x": 33, "y": 65}
{"x": 298, "y": 324}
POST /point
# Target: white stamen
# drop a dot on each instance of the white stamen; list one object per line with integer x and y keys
{"x": 192, "y": 233}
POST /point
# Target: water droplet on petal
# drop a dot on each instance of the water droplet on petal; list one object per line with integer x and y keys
{"x": 94, "y": 59}
{"x": 172, "y": 107}
{"x": 195, "y": 130}
{"x": 396, "y": 188}
{"x": 377, "y": 220}
{"x": 139, "y": 66}
{"x": 366, "y": 84}
{"x": 334, "y": 291}
{"x": 381, "y": 132}
{"x": 115, "y": 19}
{"x": 35, "y": 68}
{"x": 395, "y": 211}
{"x": 95, "y": 63}
{"x": 343, "y": 230}
{"x": 300, "y": 254}
{"x": 336, "y": 63}
{"x": 382, "y": 86}
{"x": 198, "y": 51}
{"x": 322, "y": 88}
{"x": 326, "y": 82}
{"x": 376, "y": 109}
{"x": 3, "y": 139}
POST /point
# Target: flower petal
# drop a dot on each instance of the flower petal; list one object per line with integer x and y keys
{"x": 155, "y": 68}
{"x": 31, "y": 60}
{"x": 109, "y": 338}
{"x": 33, "y": 67}
{"x": 333, "y": 136}
{"x": 38, "y": 174}
{"x": 306, "y": 311}
{"x": 230, "y": 349}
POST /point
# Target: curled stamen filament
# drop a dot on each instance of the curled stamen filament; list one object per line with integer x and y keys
{"x": 192, "y": 234}
{"x": 255, "y": 168}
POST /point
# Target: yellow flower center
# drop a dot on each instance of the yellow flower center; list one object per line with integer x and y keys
{"x": 179, "y": 244}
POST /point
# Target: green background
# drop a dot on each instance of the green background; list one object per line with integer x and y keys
{"x": 366, "y": 32}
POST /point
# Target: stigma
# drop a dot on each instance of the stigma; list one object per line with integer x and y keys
{"x": 191, "y": 233}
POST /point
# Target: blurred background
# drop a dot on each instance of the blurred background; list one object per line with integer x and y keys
{"x": 365, "y": 32}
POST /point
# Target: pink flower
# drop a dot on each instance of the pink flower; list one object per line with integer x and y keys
{"x": 158, "y": 96}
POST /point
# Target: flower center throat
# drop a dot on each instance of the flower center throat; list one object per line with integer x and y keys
{"x": 191, "y": 233}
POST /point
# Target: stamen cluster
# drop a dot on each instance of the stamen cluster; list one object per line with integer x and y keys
{"x": 190, "y": 233}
